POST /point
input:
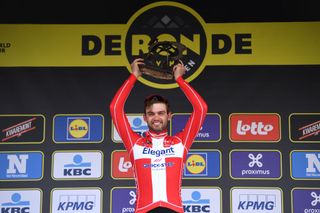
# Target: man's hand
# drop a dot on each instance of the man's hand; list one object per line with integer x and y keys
{"x": 178, "y": 70}
{"x": 135, "y": 67}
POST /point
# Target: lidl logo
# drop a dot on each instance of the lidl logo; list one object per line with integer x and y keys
{"x": 203, "y": 164}
{"x": 21, "y": 165}
{"x": 196, "y": 164}
{"x": 20, "y": 201}
{"x": 78, "y": 128}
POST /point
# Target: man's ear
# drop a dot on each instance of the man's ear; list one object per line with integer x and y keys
{"x": 169, "y": 116}
{"x": 144, "y": 117}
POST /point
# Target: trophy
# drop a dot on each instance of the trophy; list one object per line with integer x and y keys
{"x": 161, "y": 58}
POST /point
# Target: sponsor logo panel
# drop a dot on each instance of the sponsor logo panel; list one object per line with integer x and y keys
{"x": 121, "y": 166}
{"x": 138, "y": 125}
{"x": 250, "y": 127}
{"x": 22, "y": 129}
{"x": 260, "y": 200}
{"x": 209, "y": 132}
{"x": 255, "y": 164}
{"x": 203, "y": 199}
{"x": 305, "y": 164}
{"x": 21, "y": 165}
{"x": 76, "y": 200}
{"x": 304, "y": 127}
{"x": 77, "y": 165}
{"x": 127, "y": 202}
{"x": 306, "y": 200}
{"x": 202, "y": 164}
{"x": 78, "y": 128}
{"x": 20, "y": 201}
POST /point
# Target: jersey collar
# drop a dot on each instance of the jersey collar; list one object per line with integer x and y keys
{"x": 157, "y": 134}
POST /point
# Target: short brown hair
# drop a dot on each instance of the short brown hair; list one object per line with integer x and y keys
{"x": 155, "y": 98}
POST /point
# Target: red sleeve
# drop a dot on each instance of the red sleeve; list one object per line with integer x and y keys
{"x": 118, "y": 115}
{"x": 196, "y": 118}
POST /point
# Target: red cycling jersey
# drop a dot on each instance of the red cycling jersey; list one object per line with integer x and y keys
{"x": 158, "y": 159}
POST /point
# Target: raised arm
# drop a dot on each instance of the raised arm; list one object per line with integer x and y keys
{"x": 200, "y": 108}
{"x": 118, "y": 115}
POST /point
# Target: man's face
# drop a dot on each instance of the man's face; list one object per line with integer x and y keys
{"x": 157, "y": 117}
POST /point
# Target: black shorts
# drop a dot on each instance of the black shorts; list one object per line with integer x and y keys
{"x": 161, "y": 210}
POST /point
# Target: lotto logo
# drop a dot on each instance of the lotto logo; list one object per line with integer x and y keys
{"x": 121, "y": 165}
{"x": 254, "y": 127}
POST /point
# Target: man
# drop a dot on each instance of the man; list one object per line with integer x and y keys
{"x": 158, "y": 159}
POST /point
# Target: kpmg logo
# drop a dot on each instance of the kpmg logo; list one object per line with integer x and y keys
{"x": 305, "y": 200}
{"x": 203, "y": 164}
{"x": 209, "y": 132}
{"x": 78, "y": 128}
{"x": 121, "y": 166}
{"x": 21, "y": 166}
{"x": 304, "y": 127}
{"x": 305, "y": 164}
{"x": 251, "y": 127}
{"x": 204, "y": 199}
{"x": 86, "y": 200}
{"x": 20, "y": 201}
{"x": 77, "y": 165}
{"x": 137, "y": 124}
{"x": 262, "y": 200}
{"x": 127, "y": 201}
{"x": 24, "y": 129}
{"x": 254, "y": 164}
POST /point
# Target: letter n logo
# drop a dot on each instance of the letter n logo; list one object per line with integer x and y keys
{"x": 17, "y": 163}
{"x": 313, "y": 162}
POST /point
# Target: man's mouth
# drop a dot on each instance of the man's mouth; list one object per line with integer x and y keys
{"x": 156, "y": 123}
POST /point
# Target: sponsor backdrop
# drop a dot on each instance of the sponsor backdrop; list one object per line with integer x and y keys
{"x": 258, "y": 150}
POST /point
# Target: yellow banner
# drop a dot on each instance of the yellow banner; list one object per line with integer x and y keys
{"x": 276, "y": 43}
